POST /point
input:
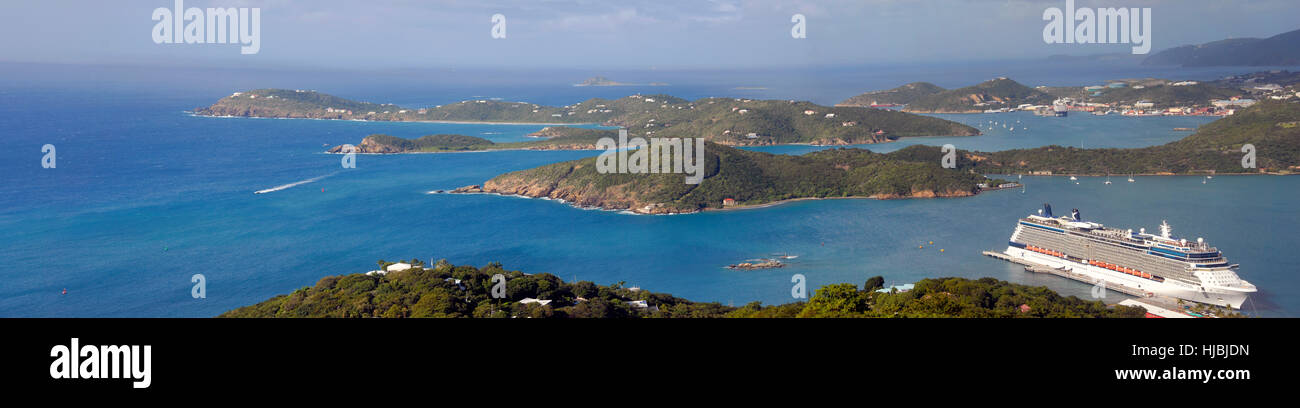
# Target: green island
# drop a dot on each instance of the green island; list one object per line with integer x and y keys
{"x": 1279, "y": 50}
{"x": 444, "y": 290}
{"x": 902, "y": 95}
{"x": 736, "y": 178}
{"x": 1146, "y": 95}
{"x": 924, "y": 97}
{"x": 550, "y": 138}
{"x": 1272, "y": 127}
{"x": 729, "y": 121}
{"x": 993, "y": 94}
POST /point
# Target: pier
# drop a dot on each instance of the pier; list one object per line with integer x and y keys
{"x": 1039, "y": 268}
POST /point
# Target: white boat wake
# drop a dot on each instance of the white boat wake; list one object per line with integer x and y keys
{"x": 293, "y": 184}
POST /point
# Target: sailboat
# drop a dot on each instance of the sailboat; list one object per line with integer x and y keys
{"x": 1130, "y": 178}
{"x": 1107, "y": 179}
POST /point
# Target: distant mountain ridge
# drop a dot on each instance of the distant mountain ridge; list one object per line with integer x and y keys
{"x": 1281, "y": 49}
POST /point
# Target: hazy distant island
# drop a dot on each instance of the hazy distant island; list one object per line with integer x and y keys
{"x": 602, "y": 81}
{"x": 729, "y": 121}
{"x": 1272, "y": 127}
{"x": 1279, "y": 50}
{"x": 443, "y": 290}
{"x": 736, "y": 178}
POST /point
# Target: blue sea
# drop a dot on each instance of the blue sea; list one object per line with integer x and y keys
{"x": 145, "y": 195}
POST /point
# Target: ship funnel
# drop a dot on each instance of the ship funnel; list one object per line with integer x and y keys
{"x": 1075, "y": 214}
{"x": 1047, "y": 210}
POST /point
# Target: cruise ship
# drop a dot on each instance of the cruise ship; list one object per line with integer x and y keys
{"x": 1150, "y": 264}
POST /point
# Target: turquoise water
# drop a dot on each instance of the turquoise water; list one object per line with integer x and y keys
{"x": 145, "y": 196}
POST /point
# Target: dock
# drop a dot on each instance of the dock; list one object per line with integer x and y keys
{"x": 1039, "y": 268}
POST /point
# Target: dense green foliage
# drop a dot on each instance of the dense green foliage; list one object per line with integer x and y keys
{"x": 444, "y": 290}
{"x": 723, "y": 120}
{"x": 746, "y": 176}
{"x": 898, "y": 96}
{"x": 994, "y": 94}
{"x": 432, "y": 143}
{"x": 1270, "y": 126}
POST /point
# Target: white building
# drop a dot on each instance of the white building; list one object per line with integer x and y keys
{"x": 397, "y": 267}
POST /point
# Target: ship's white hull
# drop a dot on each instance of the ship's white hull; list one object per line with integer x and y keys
{"x": 1112, "y": 278}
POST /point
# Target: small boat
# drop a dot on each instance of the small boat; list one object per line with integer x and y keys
{"x": 1073, "y": 178}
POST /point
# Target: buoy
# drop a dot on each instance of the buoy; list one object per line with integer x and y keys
{"x": 920, "y": 246}
{"x": 65, "y": 291}
{"x": 931, "y": 242}
{"x": 940, "y": 249}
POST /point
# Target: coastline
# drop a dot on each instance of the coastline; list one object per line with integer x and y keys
{"x": 633, "y": 211}
{"x": 454, "y": 122}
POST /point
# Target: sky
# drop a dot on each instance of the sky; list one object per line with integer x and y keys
{"x": 635, "y": 34}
